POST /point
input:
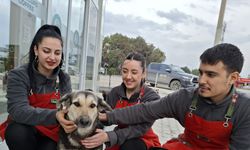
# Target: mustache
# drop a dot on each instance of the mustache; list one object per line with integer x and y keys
{"x": 202, "y": 86}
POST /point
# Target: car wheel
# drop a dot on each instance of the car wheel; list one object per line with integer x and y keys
{"x": 175, "y": 85}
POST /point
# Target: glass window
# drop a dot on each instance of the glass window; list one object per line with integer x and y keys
{"x": 91, "y": 45}
{"x": 76, "y": 38}
{"x": 4, "y": 30}
{"x": 59, "y": 15}
{"x": 177, "y": 69}
{"x": 96, "y": 3}
{"x": 155, "y": 66}
{"x": 19, "y": 22}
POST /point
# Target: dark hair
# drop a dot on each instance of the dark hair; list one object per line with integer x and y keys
{"x": 228, "y": 54}
{"x": 138, "y": 57}
{"x": 43, "y": 32}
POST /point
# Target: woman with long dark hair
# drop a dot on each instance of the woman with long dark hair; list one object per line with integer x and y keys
{"x": 32, "y": 93}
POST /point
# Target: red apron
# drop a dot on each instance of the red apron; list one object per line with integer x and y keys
{"x": 41, "y": 101}
{"x": 46, "y": 101}
{"x": 202, "y": 134}
{"x": 150, "y": 138}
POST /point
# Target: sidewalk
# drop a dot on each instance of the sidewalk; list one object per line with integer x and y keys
{"x": 166, "y": 128}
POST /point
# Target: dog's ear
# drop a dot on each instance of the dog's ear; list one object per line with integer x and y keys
{"x": 104, "y": 95}
{"x": 102, "y": 105}
{"x": 65, "y": 101}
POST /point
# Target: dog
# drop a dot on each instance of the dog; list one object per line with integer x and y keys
{"x": 82, "y": 108}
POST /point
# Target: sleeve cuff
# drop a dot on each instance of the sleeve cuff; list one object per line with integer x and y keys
{"x": 112, "y": 139}
{"x": 110, "y": 117}
{"x": 54, "y": 120}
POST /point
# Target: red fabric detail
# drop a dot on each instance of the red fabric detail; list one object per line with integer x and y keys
{"x": 44, "y": 101}
{"x": 150, "y": 138}
{"x": 175, "y": 144}
{"x": 115, "y": 147}
{"x": 3, "y": 127}
{"x": 41, "y": 101}
{"x": 202, "y": 134}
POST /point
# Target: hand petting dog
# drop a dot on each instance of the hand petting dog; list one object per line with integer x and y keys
{"x": 103, "y": 117}
{"x": 96, "y": 140}
{"x": 68, "y": 126}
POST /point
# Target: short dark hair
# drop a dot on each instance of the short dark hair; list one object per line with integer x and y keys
{"x": 228, "y": 54}
{"x": 138, "y": 57}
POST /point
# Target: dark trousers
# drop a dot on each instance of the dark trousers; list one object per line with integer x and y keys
{"x": 133, "y": 144}
{"x": 25, "y": 137}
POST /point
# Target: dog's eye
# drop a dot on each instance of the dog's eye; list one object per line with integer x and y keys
{"x": 92, "y": 105}
{"x": 77, "y": 104}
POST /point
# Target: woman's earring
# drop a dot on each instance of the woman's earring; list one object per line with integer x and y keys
{"x": 36, "y": 59}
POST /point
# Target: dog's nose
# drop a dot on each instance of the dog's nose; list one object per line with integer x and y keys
{"x": 84, "y": 121}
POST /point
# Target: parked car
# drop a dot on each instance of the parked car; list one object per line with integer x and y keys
{"x": 102, "y": 70}
{"x": 241, "y": 82}
{"x": 170, "y": 76}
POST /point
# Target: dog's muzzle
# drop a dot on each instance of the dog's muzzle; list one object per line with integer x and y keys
{"x": 83, "y": 121}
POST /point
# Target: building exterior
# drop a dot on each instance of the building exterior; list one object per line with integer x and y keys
{"x": 80, "y": 22}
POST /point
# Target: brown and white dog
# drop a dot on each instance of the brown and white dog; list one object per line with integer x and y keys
{"x": 83, "y": 108}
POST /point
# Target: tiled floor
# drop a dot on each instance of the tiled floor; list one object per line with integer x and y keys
{"x": 167, "y": 128}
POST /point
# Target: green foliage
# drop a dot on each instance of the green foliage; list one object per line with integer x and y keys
{"x": 186, "y": 69}
{"x": 9, "y": 61}
{"x": 117, "y": 46}
{"x": 195, "y": 72}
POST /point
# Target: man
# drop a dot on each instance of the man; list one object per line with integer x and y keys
{"x": 214, "y": 115}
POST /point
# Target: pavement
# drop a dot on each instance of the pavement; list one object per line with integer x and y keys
{"x": 166, "y": 128}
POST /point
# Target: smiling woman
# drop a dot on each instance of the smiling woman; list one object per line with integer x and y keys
{"x": 132, "y": 91}
{"x": 32, "y": 93}
{"x": 49, "y": 54}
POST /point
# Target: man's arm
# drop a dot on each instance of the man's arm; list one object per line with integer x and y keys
{"x": 174, "y": 105}
{"x": 140, "y": 113}
{"x": 133, "y": 131}
{"x": 241, "y": 127}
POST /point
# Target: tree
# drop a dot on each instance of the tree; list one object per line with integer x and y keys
{"x": 195, "y": 72}
{"x": 156, "y": 56}
{"x": 186, "y": 69}
{"x": 117, "y": 46}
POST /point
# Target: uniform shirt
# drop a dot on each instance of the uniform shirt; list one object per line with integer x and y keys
{"x": 177, "y": 104}
{"x": 18, "y": 91}
{"x": 118, "y": 136}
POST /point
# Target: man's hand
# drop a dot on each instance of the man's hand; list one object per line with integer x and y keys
{"x": 96, "y": 140}
{"x": 103, "y": 117}
{"x": 68, "y": 126}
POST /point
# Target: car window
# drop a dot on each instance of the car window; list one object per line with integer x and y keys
{"x": 159, "y": 67}
{"x": 177, "y": 69}
{"x": 155, "y": 66}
